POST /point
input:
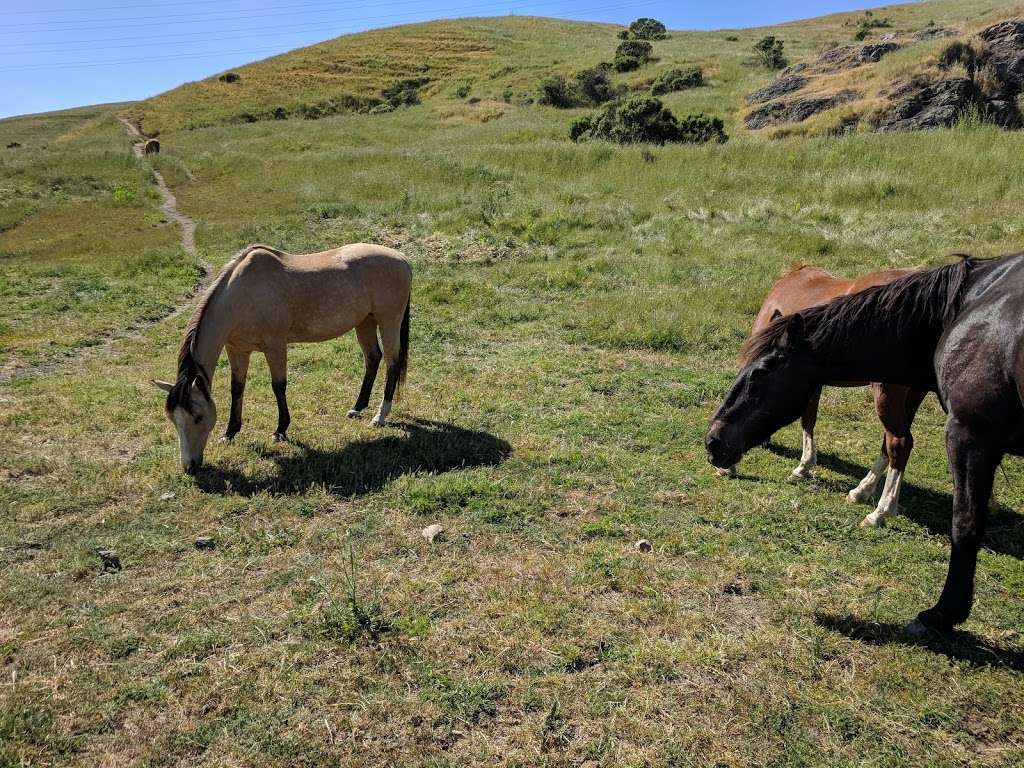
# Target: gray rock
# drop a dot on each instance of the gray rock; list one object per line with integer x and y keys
{"x": 932, "y": 33}
{"x": 849, "y": 56}
{"x": 777, "y": 88}
{"x": 918, "y": 106}
{"x": 1005, "y": 56}
{"x": 795, "y": 110}
{"x": 205, "y": 542}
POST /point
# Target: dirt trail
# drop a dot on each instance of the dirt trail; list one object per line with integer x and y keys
{"x": 169, "y": 206}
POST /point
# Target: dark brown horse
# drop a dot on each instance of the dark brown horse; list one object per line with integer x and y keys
{"x": 807, "y": 286}
{"x": 956, "y": 330}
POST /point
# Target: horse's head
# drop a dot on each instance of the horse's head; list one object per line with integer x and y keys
{"x": 191, "y": 410}
{"x": 771, "y": 390}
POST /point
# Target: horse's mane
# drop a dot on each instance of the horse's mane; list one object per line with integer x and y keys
{"x": 188, "y": 367}
{"x": 930, "y": 298}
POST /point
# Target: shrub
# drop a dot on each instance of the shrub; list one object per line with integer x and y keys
{"x": 632, "y": 54}
{"x": 678, "y": 80}
{"x": 644, "y": 119}
{"x": 555, "y": 91}
{"x": 404, "y": 93}
{"x": 462, "y": 91}
{"x": 647, "y": 29}
{"x": 959, "y": 53}
{"x": 593, "y": 84}
{"x": 229, "y": 77}
{"x": 770, "y": 52}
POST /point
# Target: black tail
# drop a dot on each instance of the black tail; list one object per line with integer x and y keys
{"x": 403, "y": 350}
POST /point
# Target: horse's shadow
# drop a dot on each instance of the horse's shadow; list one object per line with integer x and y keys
{"x": 960, "y": 646}
{"x": 365, "y": 465}
{"x": 931, "y": 509}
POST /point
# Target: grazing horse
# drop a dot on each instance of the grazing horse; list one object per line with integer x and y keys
{"x": 262, "y": 301}
{"x": 956, "y": 330}
{"x": 807, "y": 286}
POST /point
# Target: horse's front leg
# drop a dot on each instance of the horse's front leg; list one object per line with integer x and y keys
{"x": 277, "y": 360}
{"x": 239, "y": 371}
{"x": 809, "y": 454}
{"x": 973, "y": 459}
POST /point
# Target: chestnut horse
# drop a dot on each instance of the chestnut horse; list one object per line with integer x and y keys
{"x": 956, "y": 330}
{"x": 807, "y": 286}
{"x": 264, "y": 300}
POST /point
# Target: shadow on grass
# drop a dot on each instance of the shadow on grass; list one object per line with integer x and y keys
{"x": 366, "y": 465}
{"x": 960, "y": 646}
{"x": 931, "y": 509}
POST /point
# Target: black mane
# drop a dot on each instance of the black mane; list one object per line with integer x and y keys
{"x": 925, "y": 300}
{"x": 189, "y": 369}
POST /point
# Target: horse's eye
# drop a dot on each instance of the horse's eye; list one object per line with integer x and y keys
{"x": 758, "y": 373}
{"x": 199, "y": 418}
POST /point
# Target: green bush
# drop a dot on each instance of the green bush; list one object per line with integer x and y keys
{"x": 644, "y": 119}
{"x": 769, "y": 51}
{"x": 632, "y": 54}
{"x": 588, "y": 87}
{"x": 678, "y": 80}
{"x": 594, "y": 86}
{"x": 647, "y": 29}
{"x": 555, "y": 91}
{"x": 404, "y": 93}
{"x": 958, "y": 52}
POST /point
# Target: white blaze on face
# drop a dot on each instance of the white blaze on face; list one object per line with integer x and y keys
{"x": 194, "y": 429}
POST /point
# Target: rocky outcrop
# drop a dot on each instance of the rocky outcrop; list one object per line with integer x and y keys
{"x": 777, "y": 88}
{"x": 994, "y": 63}
{"x": 1005, "y": 56}
{"x": 849, "y": 56}
{"x": 920, "y": 104}
{"x": 795, "y": 110}
{"x": 932, "y": 33}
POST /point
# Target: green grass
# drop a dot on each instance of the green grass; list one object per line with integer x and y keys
{"x": 84, "y": 248}
{"x": 576, "y": 315}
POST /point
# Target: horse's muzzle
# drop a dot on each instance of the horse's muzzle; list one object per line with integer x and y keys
{"x": 720, "y": 454}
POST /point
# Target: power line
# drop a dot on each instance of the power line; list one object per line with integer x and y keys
{"x": 175, "y": 57}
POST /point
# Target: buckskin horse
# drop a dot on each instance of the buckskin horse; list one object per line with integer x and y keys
{"x": 956, "y": 330}
{"x": 807, "y": 286}
{"x": 265, "y": 299}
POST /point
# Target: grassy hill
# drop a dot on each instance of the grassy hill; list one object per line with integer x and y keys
{"x": 501, "y": 61}
{"x": 577, "y": 310}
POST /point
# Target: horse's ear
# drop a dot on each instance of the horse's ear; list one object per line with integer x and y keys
{"x": 776, "y": 314}
{"x": 165, "y": 386}
{"x": 793, "y": 336}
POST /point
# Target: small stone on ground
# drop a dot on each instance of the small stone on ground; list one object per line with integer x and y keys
{"x": 433, "y": 532}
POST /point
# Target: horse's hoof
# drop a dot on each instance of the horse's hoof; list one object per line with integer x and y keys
{"x": 280, "y": 437}
{"x": 854, "y": 497}
{"x": 798, "y": 475}
{"x": 354, "y": 414}
{"x": 377, "y": 421}
{"x": 874, "y": 520}
{"x": 917, "y": 631}
{"x": 730, "y": 472}
{"x": 227, "y": 439}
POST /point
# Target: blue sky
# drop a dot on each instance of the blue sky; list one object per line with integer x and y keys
{"x": 59, "y": 53}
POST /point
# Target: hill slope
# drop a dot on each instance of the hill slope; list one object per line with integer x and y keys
{"x": 503, "y": 60}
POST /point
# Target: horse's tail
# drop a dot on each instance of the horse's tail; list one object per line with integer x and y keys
{"x": 403, "y": 348}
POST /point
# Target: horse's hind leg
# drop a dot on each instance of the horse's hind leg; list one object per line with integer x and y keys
{"x": 277, "y": 359}
{"x": 366, "y": 332}
{"x": 809, "y": 455}
{"x": 391, "y": 332}
{"x": 239, "y": 370}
